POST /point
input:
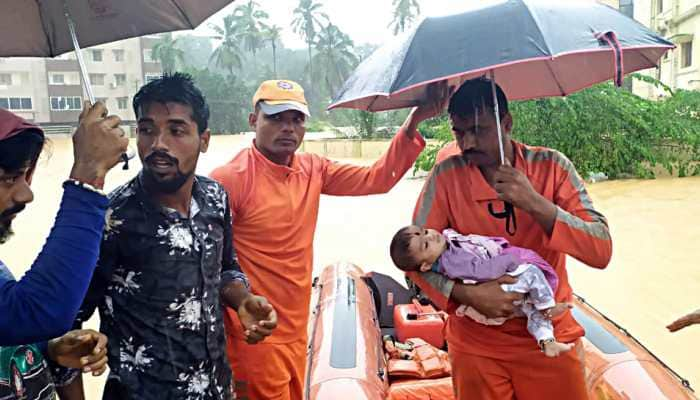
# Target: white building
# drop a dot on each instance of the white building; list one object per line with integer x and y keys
{"x": 49, "y": 91}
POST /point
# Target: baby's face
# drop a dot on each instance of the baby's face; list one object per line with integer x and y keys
{"x": 426, "y": 246}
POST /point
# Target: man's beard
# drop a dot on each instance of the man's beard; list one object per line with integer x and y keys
{"x": 5, "y": 232}
{"x": 5, "y": 222}
{"x": 164, "y": 185}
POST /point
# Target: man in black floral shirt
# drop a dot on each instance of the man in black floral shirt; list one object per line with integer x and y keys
{"x": 167, "y": 261}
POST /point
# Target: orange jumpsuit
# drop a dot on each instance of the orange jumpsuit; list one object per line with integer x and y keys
{"x": 504, "y": 362}
{"x": 275, "y": 209}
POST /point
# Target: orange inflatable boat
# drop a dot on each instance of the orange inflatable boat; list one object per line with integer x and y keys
{"x": 346, "y": 357}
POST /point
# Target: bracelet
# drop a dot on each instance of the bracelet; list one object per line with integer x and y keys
{"x": 84, "y": 185}
{"x": 542, "y": 343}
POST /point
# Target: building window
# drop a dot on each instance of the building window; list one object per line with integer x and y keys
{"x": 97, "y": 55}
{"x": 66, "y": 103}
{"x": 119, "y": 79}
{"x": 148, "y": 56}
{"x": 57, "y": 79}
{"x": 659, "y": 6}
{"x": 118, "y": 55}
{"x": 6, "y": 79}
{"x": 151, "y": 77}
{"x": 97, "y": 79}
{"x": 122, "y": 103}
{"x": 686, "y": 54}
{"x": 16, "y": 103}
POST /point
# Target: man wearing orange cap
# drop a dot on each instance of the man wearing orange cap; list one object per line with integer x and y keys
{"x": 274, "y": 195}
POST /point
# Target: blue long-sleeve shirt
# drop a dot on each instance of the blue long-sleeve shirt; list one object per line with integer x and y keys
{"x": 44, "y": 303}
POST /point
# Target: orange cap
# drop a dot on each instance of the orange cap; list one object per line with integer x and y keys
{"x": 276, "y": 96}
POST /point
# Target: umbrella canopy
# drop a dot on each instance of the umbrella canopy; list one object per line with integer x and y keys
{"x": 38, "y": 28}
{"x": 535, "y": 48}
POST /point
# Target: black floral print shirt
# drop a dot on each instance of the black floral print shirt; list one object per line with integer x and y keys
{"x": 157, "y": 289}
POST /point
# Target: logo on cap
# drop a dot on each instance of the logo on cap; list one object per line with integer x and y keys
{"x": 285, "y": 85}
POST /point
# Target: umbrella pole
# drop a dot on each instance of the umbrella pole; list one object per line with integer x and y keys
{"x": 83, "y": 72}
{"x": 78, "y": 54}
{"x": 498, "y": 118}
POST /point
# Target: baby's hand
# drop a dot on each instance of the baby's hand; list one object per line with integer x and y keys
{"x": 552, "y": 348}
{"x": 557, "y": 310}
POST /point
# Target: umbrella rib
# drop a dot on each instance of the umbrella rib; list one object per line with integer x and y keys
{"x": 549, "y": 67}
{"x": 392, "y": 87}
{"x": 46, "y": 31}
{"x": 539, "y": 30}
{"x": 183, "y": 13}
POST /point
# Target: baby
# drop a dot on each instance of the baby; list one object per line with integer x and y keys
{"x": 474, "y": 259}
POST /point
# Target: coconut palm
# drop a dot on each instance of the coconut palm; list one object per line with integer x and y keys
{"x": 272, "y": 35}
{"x": 405, "y": 13}
{"x": 334, "y": 57}
{"x": 249, "y": 17}
{"x": 166, "y": 50}
{"x": 307, "y": 21}
{"x": 227, "y": 55}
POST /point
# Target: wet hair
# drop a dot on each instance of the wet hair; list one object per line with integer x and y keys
{"x": 21, "y": 150}
{"x": 175, "y": 88}
{"x": 400, "y": 254}
{"x": 473, "y": 96}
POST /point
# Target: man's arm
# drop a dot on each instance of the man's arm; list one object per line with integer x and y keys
{"x": 351, "y": 180}
{"x": 571, "y": 222}
{"x": 256, "y": 315}
{"x": 43, "y": 304}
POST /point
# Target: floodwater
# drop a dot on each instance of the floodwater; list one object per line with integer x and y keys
{"x": 654, "y": 276}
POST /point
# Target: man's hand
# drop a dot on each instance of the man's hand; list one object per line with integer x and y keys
{"x": 258, "y": 318}
{"x": 84, "y": 349}
{"x": 513, "y": 187}
{"x": 488, "y": 298}
{"x": 98, "y": 145}
{"x": 687, "y": 320}
{"x": 438, "y": 95}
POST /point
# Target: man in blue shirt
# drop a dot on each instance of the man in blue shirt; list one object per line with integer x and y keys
{"x": 38, "y": 310}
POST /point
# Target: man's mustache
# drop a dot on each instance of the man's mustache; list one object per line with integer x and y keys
{"x": 161, "y": 155}
{"x": 12, "y": 210}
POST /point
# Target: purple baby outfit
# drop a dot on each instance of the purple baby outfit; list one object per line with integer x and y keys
{"x": 482, "y": 258}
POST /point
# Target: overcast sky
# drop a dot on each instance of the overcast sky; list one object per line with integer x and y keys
{"x": 366, "y": 21}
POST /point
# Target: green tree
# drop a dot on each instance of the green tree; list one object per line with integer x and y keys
{"x": 405, "y": 13}
{"x": 334, "y": 57}
{"x": 227, "y": 55}
{"x": 166, "y": 50}
{"x": 228, "y": 100}
{"x": 272, "y": 35}
{"x": 307, "y": 21}
{"x": 250, "y": 18}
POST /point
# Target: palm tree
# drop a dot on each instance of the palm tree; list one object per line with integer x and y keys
{"x": 166, "y": 50}
{"x": 249, "y": 17}
{"x": 307, "y": 20}
{"x": 272, "y": 34}
{"x": 227, "y": 55}
{"x": 334, "y": 56}
{"x": 404, "y": 14}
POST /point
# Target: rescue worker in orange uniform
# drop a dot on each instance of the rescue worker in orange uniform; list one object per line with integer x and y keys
{"x": 274, "y": 195}
{"x": 553, "y": 215}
